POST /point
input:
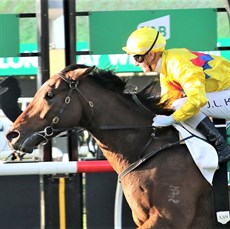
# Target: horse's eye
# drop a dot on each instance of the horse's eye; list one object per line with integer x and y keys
{"x": 49, "y": 95}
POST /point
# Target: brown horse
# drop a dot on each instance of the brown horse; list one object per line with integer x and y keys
{"x": 164, "y": 191}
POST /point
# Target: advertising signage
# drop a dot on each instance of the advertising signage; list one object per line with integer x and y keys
{"x": 195, "y": 29}
{"x": 9, "y": 35}
{"x": 11, "y": 66}
{"x": 27, "y": 66}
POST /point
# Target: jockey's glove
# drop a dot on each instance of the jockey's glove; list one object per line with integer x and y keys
{"x": 163, "y": 120}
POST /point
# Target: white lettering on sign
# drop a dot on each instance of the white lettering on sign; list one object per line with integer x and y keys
{"x": 223, "y": 217}
{"x": 118, "y": 59}
{"x": 16, "y": 62}
{"x": 162, "y": 24}
{"x": 107, "y": 60}
{"x": 3, "y": 63}
{"x": 96, "y": 59}
{"x": 85, "y": 59}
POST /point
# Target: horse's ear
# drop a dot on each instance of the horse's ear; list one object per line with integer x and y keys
{"x": 89, "y": 70}
{"x": 80, "y": 72}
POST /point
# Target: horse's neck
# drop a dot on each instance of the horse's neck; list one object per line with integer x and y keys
{"x": 113, "y": 111}
{"x": 116, "y": 159}
{"x": 123, "y": 147}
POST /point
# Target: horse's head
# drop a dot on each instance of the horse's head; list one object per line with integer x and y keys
{"x": 46, "y": 115}
{"x": 79, "y": 96}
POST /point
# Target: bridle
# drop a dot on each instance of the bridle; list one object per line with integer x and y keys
{"x": 49, "y": 130}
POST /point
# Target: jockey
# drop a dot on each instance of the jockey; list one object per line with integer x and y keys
{"x": 197, "y": 85}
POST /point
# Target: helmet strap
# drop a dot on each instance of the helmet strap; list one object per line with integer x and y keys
{"x": 149, "y": 60}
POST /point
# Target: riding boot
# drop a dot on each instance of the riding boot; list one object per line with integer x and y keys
{"x": 207, "y": 128}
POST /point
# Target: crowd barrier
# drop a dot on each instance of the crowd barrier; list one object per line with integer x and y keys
{"x": 50, "y": 168}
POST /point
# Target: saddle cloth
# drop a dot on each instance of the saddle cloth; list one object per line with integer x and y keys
{"x": 203, "y": 154}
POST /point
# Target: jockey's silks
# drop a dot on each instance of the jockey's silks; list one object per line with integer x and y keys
{"x": 192, "y": 74}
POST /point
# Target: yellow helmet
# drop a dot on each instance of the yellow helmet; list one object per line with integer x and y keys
{"x": 144, "y": 40}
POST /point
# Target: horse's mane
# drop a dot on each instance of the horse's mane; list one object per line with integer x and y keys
{"x": 108, "y": 79}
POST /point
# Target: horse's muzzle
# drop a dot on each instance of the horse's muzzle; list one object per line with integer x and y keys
{"x": 13, "y": 136}
{"x": 13, "y": 139}
{"x": 24, "y": 145}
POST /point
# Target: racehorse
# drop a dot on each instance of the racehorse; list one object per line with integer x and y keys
{"x": 161, "y": 183}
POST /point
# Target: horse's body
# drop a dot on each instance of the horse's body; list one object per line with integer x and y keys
{"x": 166, "y": 191}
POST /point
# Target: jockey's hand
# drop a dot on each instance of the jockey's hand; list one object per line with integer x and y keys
{"x": 163, "y": 120}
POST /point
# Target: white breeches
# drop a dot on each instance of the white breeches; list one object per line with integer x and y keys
{"x": 218, "y": 106}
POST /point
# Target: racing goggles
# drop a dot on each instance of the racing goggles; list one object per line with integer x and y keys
{"x": 140, "y": 58}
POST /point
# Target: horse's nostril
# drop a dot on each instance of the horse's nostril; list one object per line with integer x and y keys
{"x": 12, "y": 134}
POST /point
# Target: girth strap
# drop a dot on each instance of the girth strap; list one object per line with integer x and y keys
{"x": 136, "y": 164}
